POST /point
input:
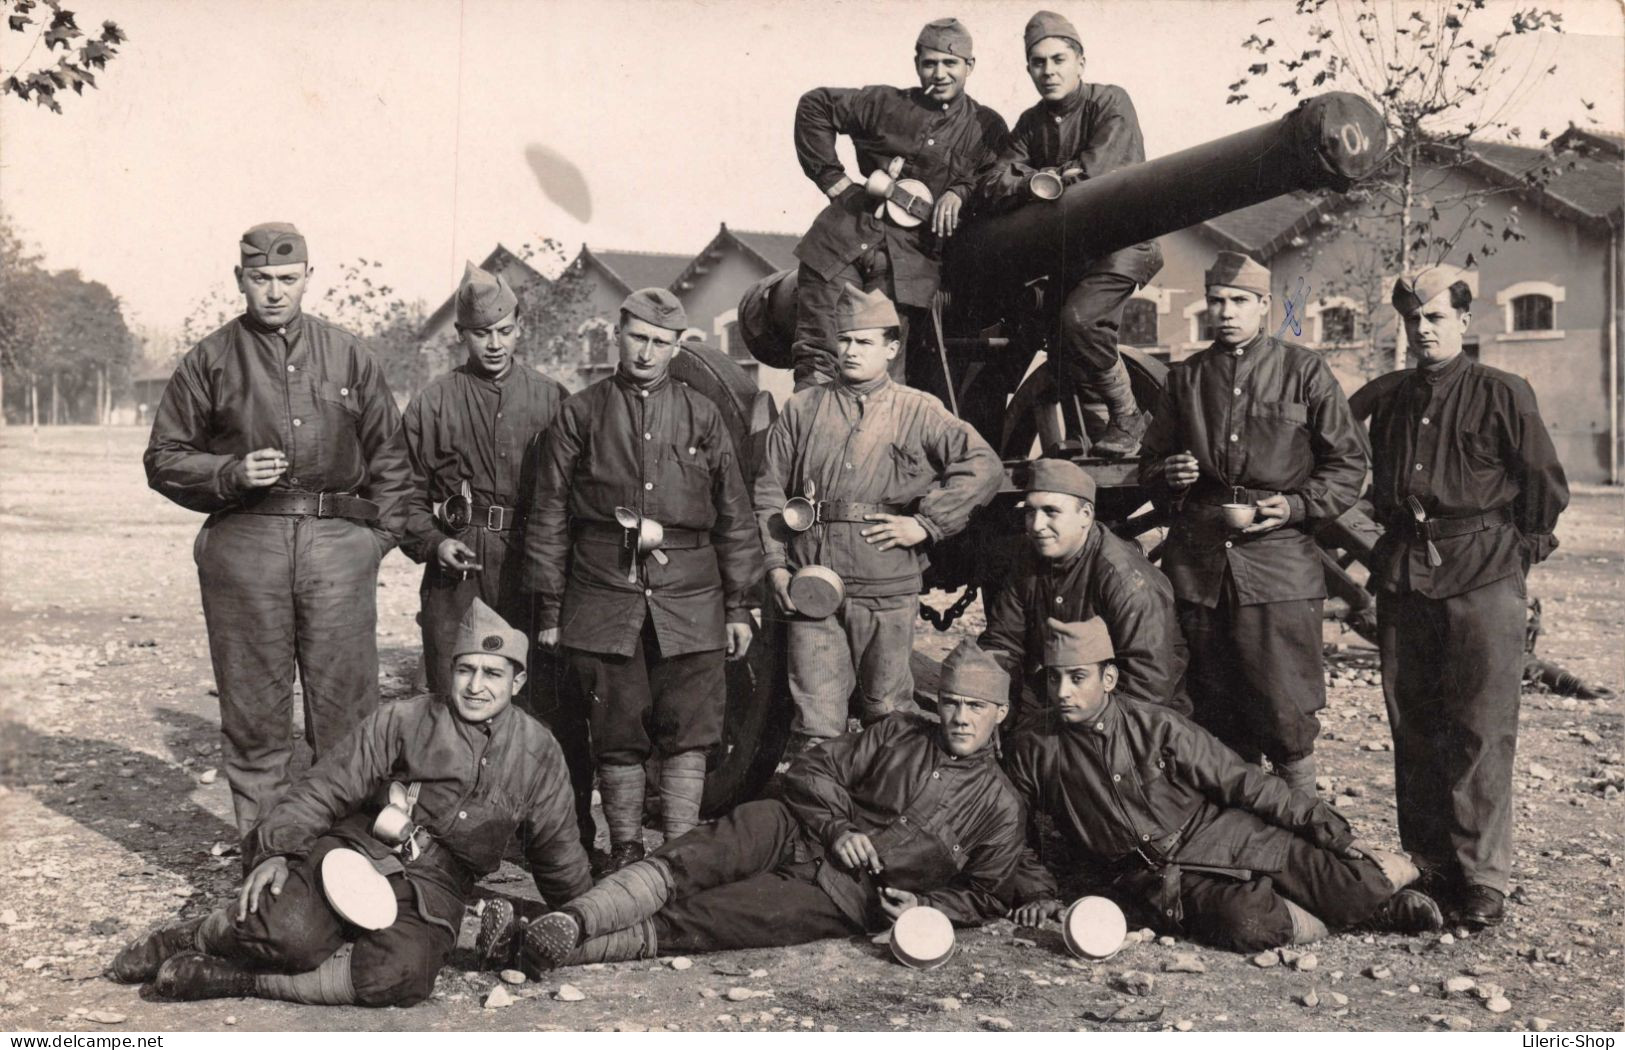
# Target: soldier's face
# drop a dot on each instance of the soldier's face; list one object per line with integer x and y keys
{"x": 1078, "y": 693}
{"x": 1434, "y": 332}
{"x": 483, "y": 685}
{"x": 490, "y": 349}
{"x": 863, "y": 354}
{"x": 646, "y": 349}
{"x": 968, "y": 723}
{"x": 1057, "y": 523}
{"x": 1236, "y": 315}
{"x": 942, "y": 75}
{"x": 273, "y": 293}
{"x": 1056, "y": 69}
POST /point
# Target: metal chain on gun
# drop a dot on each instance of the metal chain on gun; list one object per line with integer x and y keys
{"x": 944, "y": 620}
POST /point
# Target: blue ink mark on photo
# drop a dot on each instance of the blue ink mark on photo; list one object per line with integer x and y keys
{"x": 1290, "y": 306}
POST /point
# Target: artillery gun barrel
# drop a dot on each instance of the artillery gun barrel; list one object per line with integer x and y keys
{"x": 1330, "y": 141}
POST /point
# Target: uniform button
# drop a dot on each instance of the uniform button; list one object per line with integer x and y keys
{"x": 956, "y": 849}
{"x": 648, "y": 437}
{"x": 1168, "y": 912}
{"x": 1116, "y": 777}
{"x": 1240, "y": 351}
{"x": 1235, "y": 437}
{"x": 643, "y": 393}
{"x": 282, "y": 331}
{"x": 344, "y": 391}
{"x": 648, "y": 484}
{"x": 863, "y": 247}
{"x": 1145, "y": 838}
{"x": 292, "y": 369}
{"x": 647, "y": 593}
{"x": 463, "y": 815}
{"x": 300, "y": 423}
{"x": 930, "y": 142}
{"x": 1236, "y": 391}
{"x": 1100, "y": 725}
{"x": 499, "y": 415}
{"x": 692, "y": 450}
{"x": 1227, "y": 543}
{"x": 1424, "y": 420}
{"x": 484, "y": 762}
{"x": 936, "y": 776}
{"x": 1418, "y": 466}
{"x": 849, "y": 466}
{"x": 902, "y": 820}
{"x": 502, "y": 455}
{"x": 293, "y": 481}
{"x": 1058, "y": 599}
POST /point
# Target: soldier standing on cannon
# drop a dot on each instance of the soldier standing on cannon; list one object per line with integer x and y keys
{"x": 1075, "y": 569}
{"x": 280, "y": 427}
{"x": 936, "y": 135}
{"x": 883, "y": 468}
{"x": 643, "y": 555}
{"x": 1469, "y": 489}
{"x": 1080, "y": 131}
{"x": 1261, "y": 425}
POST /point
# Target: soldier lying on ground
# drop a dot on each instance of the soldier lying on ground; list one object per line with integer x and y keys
{"x": 480, "y": 772}
{"x": 1222, "y": 852}
{"x": 908, "y": 812}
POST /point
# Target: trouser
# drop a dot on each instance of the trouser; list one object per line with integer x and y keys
{"x": 445, "y": 598}
{"x": 1089, "y": 321}
{"x": 281, "y": 592}
{"x": 1248, "y": 915}
{"x": 1256, "y": 673}
{"x": 1452, "y": 669}
{"x": 813, "y": 353}
{"x": 735, "y": 885}
{"x": 866, "y": 643}
{"x": 296, "y": 930}
{"x": 646, "y": 701}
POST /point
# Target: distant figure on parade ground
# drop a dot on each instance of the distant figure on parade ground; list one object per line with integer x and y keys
{"x": 1217, "y": 850}
{"x": 281, "y": 428}
{"x": 1261, "y": 425}
{"x": 646, "y": 621}
{"x": 1469, "y": 489}
{"x": 887, "y": 471}
{"x": 1075, "y": 569}
{"x": 934, "y": 134}
{"x": 910, "y": 811}
{"x": 470, "y": 773}
{"x": 1081, "y": 131}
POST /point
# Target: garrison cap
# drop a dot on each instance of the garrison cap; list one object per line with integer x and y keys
{"x": 856, "y": 310}
{"x": 1061, "y": 475}
{"x": 946, "y": 35}
{"x": 1235, "y": 270}
{"x": 1411, "y": 291}
{"x": 483, "y": 631}
{"x": 658, "y": 307}
{"x": 1046, "y": 24}
{"x": 1076, "y": 644}
{"x": 483, "y": 298}
{"x": 970, "y": 672}
{"x": 272, "y": 244}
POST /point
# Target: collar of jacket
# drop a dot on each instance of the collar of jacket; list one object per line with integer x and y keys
{"x": 479, "y": 375}
{"x": 491, "y": 727}
{"x": 1258, "y": 342}
{"x": 633, "y": 387}
{"x": 1070, "y": 104}
{"x": 1443, "y": 373}
{"x": 1105, "y": 720}
{"x": 286, "y": 328}
{"x": 1091, "y": 543}
{"x": 918, "y": 96}
{"x": 864, "y": 390}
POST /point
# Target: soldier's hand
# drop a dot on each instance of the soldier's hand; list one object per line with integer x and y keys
{"x": 548, "y": 639}
{"x": 1033, "y": 913}
{"x": 261, "y": 468}
{"x": 456, "y": 556}
{"x": 945, "y": 219}
{"x": 895, "y": 902}
{"x": 894, "y": 530}
{"x": 739, "y": 635}
{"x": 780, "y": 581}
{"x": 856, "y": 851}
{"x": 1272, "y": 514}
{"x": 1180, "y": 470}
{"x": 272, "y": 872}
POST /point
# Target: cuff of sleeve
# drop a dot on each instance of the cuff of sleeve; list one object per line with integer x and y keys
{"x": 775, "y": 560}
{"x": 930, "y": 527}
{"x": 1297, "y": 510}
{"x": 739, "y": 614}
{"x": 225, "y": 482}
{"x": 547, "y": 616}
{"x": 838, "y": 187}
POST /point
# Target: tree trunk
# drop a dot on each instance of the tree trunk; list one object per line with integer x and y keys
{"x": 100, "y": 383}
{"x": 2, "y": 398}
{"x": 1409, "y": 185}
{"x": 33, "y": 406}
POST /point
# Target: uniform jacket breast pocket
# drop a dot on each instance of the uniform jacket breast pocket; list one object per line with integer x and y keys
{"x": 909, "y": 464}
{"x": 341, "y": 395}
{"x": 1281, "y": 411}
{"x": 479, "y": 831}
{"x": 1164, "y": 797}
{"x": 917, "y": 859}
{"x": 1482, "y": 450}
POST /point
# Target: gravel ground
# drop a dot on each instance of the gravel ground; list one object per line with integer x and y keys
{"x": 114, "y": 816}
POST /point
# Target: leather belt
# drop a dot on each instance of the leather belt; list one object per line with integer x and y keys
{"x": 1216, "y": 496}
{"x": 313, "y": 505}
{"x": 497, "y": 519}
{"x": 675, "y": 539}
{"x": 1447, "y": 528}
{"x": 850, "y": 511}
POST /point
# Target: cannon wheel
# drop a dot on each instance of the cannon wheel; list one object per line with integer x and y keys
{"x": 756, "y": 725}
{"x": 1035, "y": 412}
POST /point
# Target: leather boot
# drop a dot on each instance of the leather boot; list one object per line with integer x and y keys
{"x": 1408, "y": 911}
{"x": 548, "y": 942}
{"x": 499, "y": 935}
{"x": 193, "y": 975}
{"x": 1481, "y": 906}
{"x": 140, "y": 961}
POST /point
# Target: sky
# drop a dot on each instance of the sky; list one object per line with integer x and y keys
{"x": 403, "y": 131}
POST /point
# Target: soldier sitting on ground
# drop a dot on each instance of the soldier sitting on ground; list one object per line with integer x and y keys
{"x": 907, "y": 812}
{"x": 1220, "y": 851}
{"x": 475, "y": 771}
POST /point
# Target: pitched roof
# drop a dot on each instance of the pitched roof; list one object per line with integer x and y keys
{"x": 771, "y": 251}
{"x": 1588, "y": 185}
{"x": 776, "y": 249}
{"x": 520, "y": 274}
{"x": 1263, "y": 229}
{"x": 634, "y": 270}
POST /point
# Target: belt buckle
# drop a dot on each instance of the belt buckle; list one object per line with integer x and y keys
{"x": 321, "y": 505}
{"x": 495, "y": 518}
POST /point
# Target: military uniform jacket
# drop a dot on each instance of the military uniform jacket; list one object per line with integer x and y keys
{"x": 308, "y": 388}
{"x": 664, "y": 452}
{"x": 1094, "y": 129}
{"x": 1464, "y": 439}
{"x": 948, "y": 146}
{"x": 1270, "y": 417}
{"x": 880, "y": 442}
{"x": 1109, "y": 578}
{"x": 1145, "y": 793}
{"x": 482, "y": 783}
{"x": 465, "y": 426}
{"x": 948, "y": 829}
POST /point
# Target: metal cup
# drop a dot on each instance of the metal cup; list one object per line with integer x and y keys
{"x": 393, "y": 826}
{"x": 651, "y": 534}
{"x": 1239, "y": 515}
{"x": 1046, "y": 185}
{"x": 799, "y": 513}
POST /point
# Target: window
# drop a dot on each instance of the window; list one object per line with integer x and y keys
{"x": 1139, "y": 327}
{"x": 1201, "y": 329}
{"x": 1204, "y": 326}
{"x": 595, "y": 340}
{"x": 1337, "y": 325}
{"x": 1532, "y": 313}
